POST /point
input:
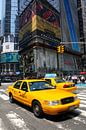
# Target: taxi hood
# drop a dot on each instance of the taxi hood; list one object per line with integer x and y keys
{"x": 52, "y": 94}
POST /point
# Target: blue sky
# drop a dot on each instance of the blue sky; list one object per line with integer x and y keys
{"x": 0, "y": 7}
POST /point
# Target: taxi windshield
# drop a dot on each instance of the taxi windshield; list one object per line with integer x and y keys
{"x": 40, "y": 85}
{"x": 59, "y": 80}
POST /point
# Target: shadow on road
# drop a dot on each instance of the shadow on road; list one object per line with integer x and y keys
{"x": 63, "y": 117}
{"x": 56, "y": 118}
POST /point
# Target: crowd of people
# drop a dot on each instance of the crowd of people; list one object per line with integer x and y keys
{"x": 75, "y": 78}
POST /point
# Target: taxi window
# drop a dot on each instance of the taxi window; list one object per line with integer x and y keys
{"x": 40, "y": 85}
{"x": 59, "y": 80}
{"x": 24, "y": 87}
{"x": 17, "y": 85}
{"x": 48, "y": 80}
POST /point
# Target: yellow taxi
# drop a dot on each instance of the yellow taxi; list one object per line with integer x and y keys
{"x": 60, "y": 83}
{"x": 42, "y": 97}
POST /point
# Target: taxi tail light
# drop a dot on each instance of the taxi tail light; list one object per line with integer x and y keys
{"x": 65, "y": 86}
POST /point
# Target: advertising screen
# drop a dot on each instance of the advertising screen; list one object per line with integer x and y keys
{"x": 9, "y": 57}
{"x": 40, "y": 16}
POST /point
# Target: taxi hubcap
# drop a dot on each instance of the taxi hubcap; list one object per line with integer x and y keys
{"x": 36, "y": 108}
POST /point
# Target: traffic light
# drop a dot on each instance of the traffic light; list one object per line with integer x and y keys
{"x": 58, "y": 49}
{"x": 62, "y": 48}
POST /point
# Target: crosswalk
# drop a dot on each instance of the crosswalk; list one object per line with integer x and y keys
{"x": 19, "y": 123}
{"x": 3, "y": 95}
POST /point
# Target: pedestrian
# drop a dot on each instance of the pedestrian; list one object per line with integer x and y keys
{"x": 82, "y": 79}
{"x": 74, "y": 79}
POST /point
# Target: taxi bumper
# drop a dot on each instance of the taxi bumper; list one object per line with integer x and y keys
{"x": 58, "y": 109}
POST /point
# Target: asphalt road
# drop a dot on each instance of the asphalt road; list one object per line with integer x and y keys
{"x": 19, "y": 117}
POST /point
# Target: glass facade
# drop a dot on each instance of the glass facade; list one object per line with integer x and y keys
{"x": 55, "y": 4}
{"x": 81, "y": 4}
{"x": 70, "y": 29}
{"x": 69, "y": 25}
{"x": 10, "y": 22}
{"x": 24, "y": 3}
{"x": 9, "y": 31}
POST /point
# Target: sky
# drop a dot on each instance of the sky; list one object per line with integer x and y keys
{"x": 0, "y": 7}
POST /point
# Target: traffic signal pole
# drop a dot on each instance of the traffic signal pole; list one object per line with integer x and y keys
{"x": 60, "y": 50}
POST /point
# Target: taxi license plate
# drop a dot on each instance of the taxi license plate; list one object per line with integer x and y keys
{"x": 71, "y": 108}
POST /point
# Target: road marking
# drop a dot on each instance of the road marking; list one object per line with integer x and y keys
{"x": 79, "y": 119}
{"x": 84, "y": 90}
{"x": 83, "y": 101}
{"x": 83, "y": 113}
{"x": 16, "y": 120}
{"x": 58, "y": 125}
{"x": 4, "y": 97}
{"x": 82, "y": 95}
{"x": 82, "y": 105}
{"x": 2, "y": 90}
{"x": 82, "y": 98}
{"x": 2, "y": 125}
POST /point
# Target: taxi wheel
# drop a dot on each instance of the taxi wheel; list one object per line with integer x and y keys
{"x": 11, "y": 98}
{"x": 37, "y": 109}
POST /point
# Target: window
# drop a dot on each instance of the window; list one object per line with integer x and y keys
{"x": 15, "y": 46}
{"x": 17, "y": 85}
{"x": 48, "y": 80}
{"x": 40, "y": 85}
{"x": 24, "y": 87}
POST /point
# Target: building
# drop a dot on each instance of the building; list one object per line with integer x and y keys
{"x": 81, "y": 5}
{"x": 70, "y": 61}
{"x": 39, "y": 35}
{"x": 0, "y": 28}
{"x": 70, "y": 36}
{"x": 9, "y": 43}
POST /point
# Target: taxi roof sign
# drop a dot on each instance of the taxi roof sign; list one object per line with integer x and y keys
{"x": 51, "y": 75}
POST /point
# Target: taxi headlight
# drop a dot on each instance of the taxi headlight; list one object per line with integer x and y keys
{"x": 51, "y": 103}
{"x": 75, "y": 98}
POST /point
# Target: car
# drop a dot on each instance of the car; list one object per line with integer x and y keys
{"x": 60, "y": 83}
{"x": 6, "y": 80}
{"x": 42, "y": 97}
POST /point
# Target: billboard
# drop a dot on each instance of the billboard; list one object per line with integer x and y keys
{"x": 8, "y": 47}
{"x": 9, "y": 57}
{"x": 71, "y": 26}
{"x": 40, "y": 16}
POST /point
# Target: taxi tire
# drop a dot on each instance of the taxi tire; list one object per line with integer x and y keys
{"x": 11, "y": 99}
{"x": 37, "y": 109}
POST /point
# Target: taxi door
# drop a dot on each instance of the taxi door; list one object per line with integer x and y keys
{"x": 16, "y": 89}
{"x": 23, "y": 93}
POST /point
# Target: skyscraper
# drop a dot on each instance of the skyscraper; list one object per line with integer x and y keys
{"x": 39, "y": 35}
{"x": 24, "y": 3}
{"x": 9, "y": 18}
{"x": 69, "y": 22}
{"x": 9, "y": 32}
{"x": 0, "y": 28}
{"x": 81, "y": 5}
{"x": 69, "y": 33}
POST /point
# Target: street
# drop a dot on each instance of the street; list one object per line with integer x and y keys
{"x": 19, "y": 117}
